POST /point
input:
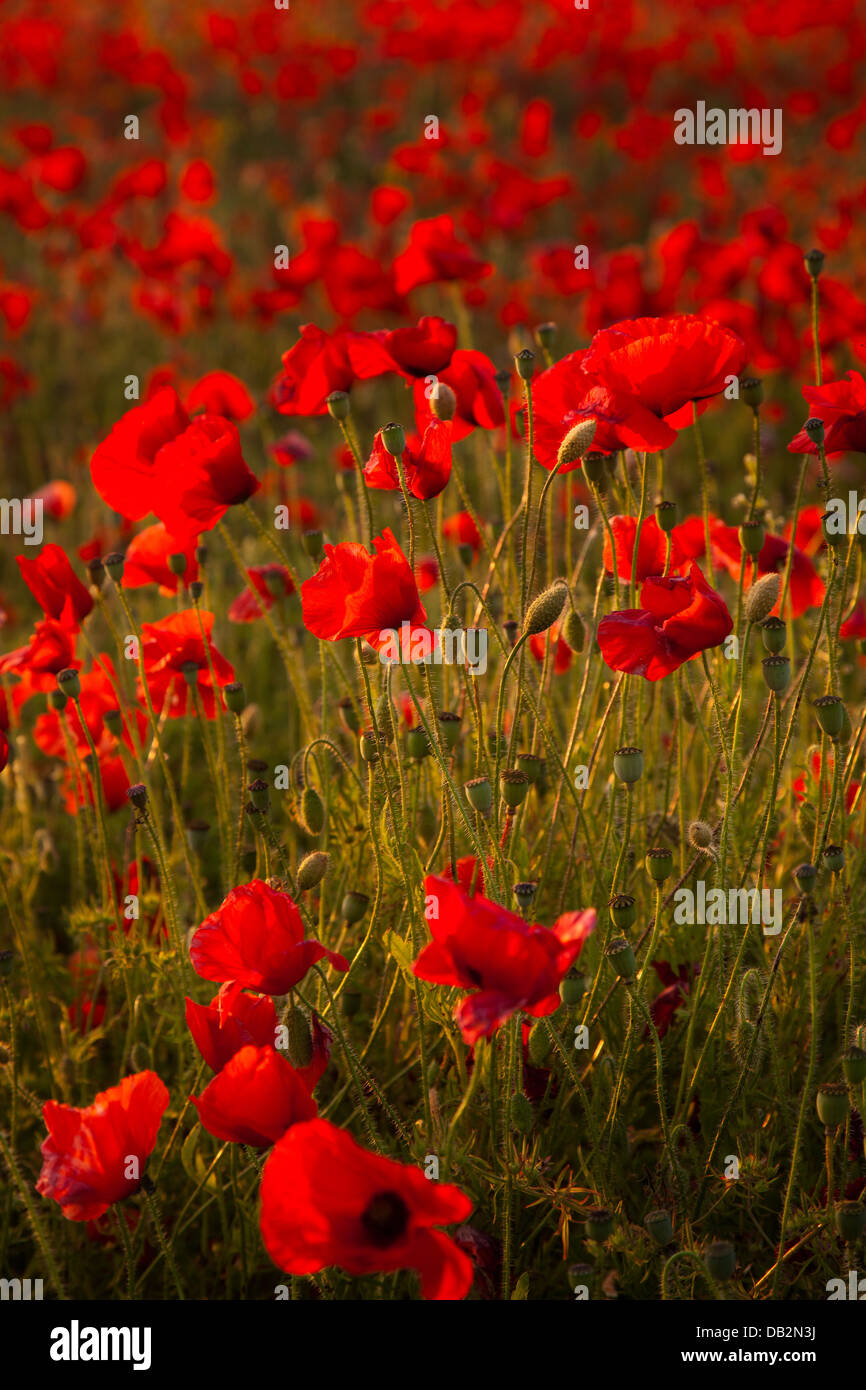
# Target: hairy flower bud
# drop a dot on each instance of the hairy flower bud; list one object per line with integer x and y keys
{"x": 576, "y": 442}
{"x": 312, "y": 870}
{"x": 443, "y": 401}
{"x": 543, "y": 611}
{"x": 762, "y": 598}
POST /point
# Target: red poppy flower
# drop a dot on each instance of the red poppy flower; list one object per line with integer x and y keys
{"x": 199, "y": 475}
{"x": 222, "y": 1027}
{"x": 481, "y": 946}
{"x": 53, "y": 583}
{"x": 122, "y": 467}
{"x": 50, "y": 649}
{"x": 94, "y": 1157}
{"x": 220, "y": 393}
{"x": 270, "y": 582}
{"x": 426, "y": 462}
{"x": 422, "y": 350}
{"x": 461, "y": 530}
{"x": 175, "y": 643}
{"x": 254, "y": 1098}
{"x": 320, "y": 363}
{"x": 801, "y": 790}
{"x": 426, "y": 573}
{"x": 679, "y": 616}
{"x": 58, "y": 499}
{"x": 355, "y": 594}
{"x": 327, "y": 1201}
{"x": 146, "y": 559}
{"x": 842, "y": 407}
{"x": 435, "y": 254}
{"x": 651, "y": 551}
{"x": 666, "y": 362}
{"x": 256, "y": 939}
{"x": 565, "y": 394}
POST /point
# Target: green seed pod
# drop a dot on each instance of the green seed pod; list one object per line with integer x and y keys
{"x": 805, "y": 874}
{"x": 524, "y": 363}
{"x": 479, "y": 794}
{"x": 815, "y": 429}
{"x": 659, "y": 863}
{"x": 720, "y": 1259}
{"x": 595, "y": 468}
{"x": 762, "y": 598}
{"x": 622, "y": 911}
{"x": 312, "y": 870}
{"x": 235, "y": 697}
{"x": 833, "y": 858}
{"x": 854, "y": 1066}
{"x": 814, "y": 262}
{"x": 543, "y": 611}
{"x": 850, "y": 1219}
{"x": 58, "y": 700}
{"x": 177, "y": 563}
{"x": 258, "y": 791}
{"x": 114, "y": 566}
{"x": 68, "y": 681}
{"x": 417, "y": 744}
{"x": 777, "y": 673}
{"x": 138, "y": 795}
{"x": 522, "y": 1113}
{"x": 830, "y": 713}
{"x": 572, "y": 988}
{"x": 660, "y": 1226}
{"x": 545, "y": 334}
{"x": 196, "y": 834}
{"x": 666, "y": 516}
{"x": 752, "y": 391}
{"x": 621, "y": 957}
{"x": 628, "y": 764}
{"x": 513, "y": 786}
{"x": 314, "y": 544}
{"x": 299, "y": 1048}
{"x": 394, "y": 439}
{"x": 752, "y": 537}
{"x": 774, "y": 633}
{"x": 338, "y": 405}
{"x": 599, "y": 1223}
{"x": 312, "y": 811}
{"x": 532, "y": 766}
{"x": 449, "y": 728}
{"x": 832, "y": 1103}
{"x": 539, "y": 1045}
{"x": 354, "y": 906}
{"x": 524, "y": 893}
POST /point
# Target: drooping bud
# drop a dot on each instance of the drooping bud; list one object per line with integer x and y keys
{"x": 573, "y": 630}
{"x": 312, "y": 870}
{"x": 312, "y": 811}
{"x": 700, "y": 835}
{"x": 443, "y": 401}
{"x": 354, "y": 906}
{"x": 543, "y": 611}
{"x": 762, "y": 598}
{"x": 576, "y": 442}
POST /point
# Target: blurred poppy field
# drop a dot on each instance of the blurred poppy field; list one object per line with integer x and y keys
{"x": 432, "y": 702}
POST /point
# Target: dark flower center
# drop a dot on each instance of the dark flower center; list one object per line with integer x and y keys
{"x": 385, "y": 1219}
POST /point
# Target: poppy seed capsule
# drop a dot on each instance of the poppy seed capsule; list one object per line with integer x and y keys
{"x": 449, "y": 728}
{"x": 96, "y": 570}
{"x": 761, "y": 599}
{"x": 774, "y": 634}
{"x": 834, "y": 858}
{"x": 720, "y": 1259}
{"x": 137, "y": 794}
{"x": 313, "y": 544}
{"x": 68, "y": 681}
{"x": 805, "y": 876}
{"x": 258, "y": 791}
{"x": 543, "y": 611}
{"x": 628, "y": 764}
{"x": 777, "y": 673}
{"x": 830, "y": 713}
{"x": 599, "y": 1223}
{"x": 752, "y": 537}
{"x": 479, "y": 794}
{"x": 394, "y": 439}
{"x": 312, "y": 811}
{"x": 197, "y": 833}
{"x": 850, "y": 1220}
{"x": 524, "y": 363}
{"x": 576, "y": 442}
{"x": 832, "y": 1104}
{"x": 502, "y": 377}
{"x": 622, "y": 911}
{"x": 659, "y": 863}
{"x": 235, "y": 697}
{"x": 114, "y": 565}
{"x": 113, "y": 721}
{"x": 815, "y": 429}
{"x": 513, "y": 786}
{"x": 545, "y": 334}
{"x": 595, "y": 468}
{"x": 312, "y": 870}
{"x": 354, "y": 906}
{"x": 338, "y": 405}
{"x": 572, "y": 988}
{"x": 417, "y": 744}
{"x": 299, "y": 1039}
{"x": 814, "y": 262}
{"x": 532, "y": 765}
{"x": 666, "y": 516}
{"x": 621, "y": 956}
{"x": 660, "y": 1226}
{"x": 524, "y": 893}
{"x": 201, "y": 554}
{"x": 443, "y": 401}
{"x": 177, "y": 563}
{"x": 752, "y": 391}
{"x": 854, "y": 1066}
{"x": 58, "y": 699}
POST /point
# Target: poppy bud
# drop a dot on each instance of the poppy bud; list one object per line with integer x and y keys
{"x": 774, "y": 634}
{"x": 479, "y": 794}
{"x": 805, "y": 876}
{"x": 545, "y": 334}
{"x": 572, "y": 988}
{"x": 830, "y": 713}
{"x": 814, "y": 261}
{"x": 622, "y": 911}
{"x": 522, "y": 1113}
{"x": 752, "y": 391}
{"x": 196, "y": 834}
{"x": 532, "y": 766}
{"x": 543, "y": 611}
{"x": 659, "y": 863}
{"x": 368, "y": 655}
{"x": 524, "y": 893}
{"x": 538, "y": 1045}
{"x": 338, "y": 405}
{"x": 235, "y": 697}
{"x": 312, "y": 811}
{"x": 854, "y": 1066}
{"x": 68, "y": 681}
{"x": 525, "y": 364}
{"x": 312, "y": 870}
{"x": 832, "y": 1104}
{"x": 595, "y": 468}
{"x": 349, "y": 714}
{"x": 660, "y": 1226}
{"x": 814, "y": 428}
{"x": 138, "y": 795}
{"x": 385, "y": 719}
{"x": 628, "y": 764}
{"x": 666, "y": 516}
{"x": 367, "y": 746}
{"x": 258, "y": 791}
{"x": 313, "y": 544}
{"x": 177, "y": 563}
{"x": 417, "y": 744}
{"x": 762, "y": 598}
{"x": 622, "y": 958}
{"x": 599, "y": 1223}
{"x": 502, "y": 377}
{"x": 58, "y": 699}
{"x": 752, "y": 537}
{"x": 700, "y": 835}
{"x": 443, "y": 401}
{"x": 299, "y": 1040}
{"x": 720, "y": 1259}
{"x": 850, "y": 1219}
{"x": 354, "y": 906}
{"x": 834, "y": 858}
{"x": 394, "y": 439}
{"x": 573, "y": 630}
{"x": 114, "y": 565}
{"x": 576, "y": 442}
{"x": 513, "y": 787}
{"x": 777, "y": 673}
